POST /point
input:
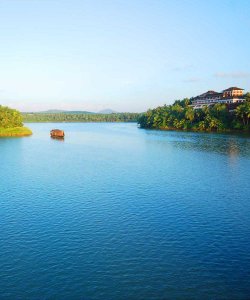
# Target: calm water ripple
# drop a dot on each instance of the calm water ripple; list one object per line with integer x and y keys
{"x": 117, "y": 212}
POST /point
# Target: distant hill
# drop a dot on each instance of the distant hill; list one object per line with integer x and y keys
{"x": 52, "y": 111}
{"x": 59, "y": 111}
{"x": 107, "y": 111}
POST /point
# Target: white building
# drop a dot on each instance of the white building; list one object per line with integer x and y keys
{"x": 230, "y": 95}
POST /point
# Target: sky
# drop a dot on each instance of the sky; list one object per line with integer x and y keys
{"x": 127, "y": 55}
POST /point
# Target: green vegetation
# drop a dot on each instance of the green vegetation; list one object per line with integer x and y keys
{"x": 79, "y": 117}
{"x": 11, "y": 123}
{"x": 16, "y": 131}
{"x": 182, "y": 116}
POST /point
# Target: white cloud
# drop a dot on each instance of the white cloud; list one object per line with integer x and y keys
{"x": 232, "y": 74}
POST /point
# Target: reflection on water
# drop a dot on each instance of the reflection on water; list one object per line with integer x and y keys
{"x": 117, "y": 212}
{"x": 226, "y": 144}
{"x": 60, "y": 139}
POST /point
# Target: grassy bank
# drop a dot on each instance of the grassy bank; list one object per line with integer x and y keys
{"x": 15, "y": 132}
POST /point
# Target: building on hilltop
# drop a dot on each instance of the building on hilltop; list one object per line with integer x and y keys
{"x": 233, "y": 92}
{"x": 230, "y": 95}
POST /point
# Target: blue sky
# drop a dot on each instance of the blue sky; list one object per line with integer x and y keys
{"x": 128, "y": 55}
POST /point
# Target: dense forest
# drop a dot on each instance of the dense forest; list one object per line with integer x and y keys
{"x": 80, "y": 117}
{"x": 11, "y": 123}
{"x": 181, "y": 115}
{"x": 10, "y": 118}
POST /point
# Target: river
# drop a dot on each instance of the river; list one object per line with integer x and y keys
{"x": 118, "y": 212}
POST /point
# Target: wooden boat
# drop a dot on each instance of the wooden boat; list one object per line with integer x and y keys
{"x": 57, "y": 133}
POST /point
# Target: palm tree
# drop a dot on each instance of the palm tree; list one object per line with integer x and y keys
{"x": 190, "y": 114}
{"x": 241, "y": 113}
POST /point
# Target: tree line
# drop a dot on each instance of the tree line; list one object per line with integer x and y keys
{"x": 80, "y": 117}
{"x": 180, "y": 115}
{"x": 10, "y": 118}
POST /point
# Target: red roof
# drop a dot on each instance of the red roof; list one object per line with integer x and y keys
{"x": 209, "y": 93}
{"x": 232, "y": 89}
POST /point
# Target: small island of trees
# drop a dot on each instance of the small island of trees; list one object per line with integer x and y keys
{"x": 11, "y": 123}
{"x": 182, "y": 116}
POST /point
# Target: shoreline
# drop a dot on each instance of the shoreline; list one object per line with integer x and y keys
{"x": 33, "y": 122}
{"x": 15, "y": 132}
{"x": 229, "y": 131}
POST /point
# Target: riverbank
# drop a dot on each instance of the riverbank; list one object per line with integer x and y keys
{"x": 15, "y": 132}
{"x": 182, "y": 116}
{"x": 78, "y": 117}
{"x": 229, "y": 131}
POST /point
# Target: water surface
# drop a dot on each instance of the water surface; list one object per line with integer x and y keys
{"x": 117, "y": 212}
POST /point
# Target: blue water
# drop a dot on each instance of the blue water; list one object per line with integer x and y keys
{"x": 117, "y": 212}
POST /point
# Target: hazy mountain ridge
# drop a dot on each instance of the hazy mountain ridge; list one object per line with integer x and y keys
{"x": 107, "y": 111}
{"x": 60, "y": 111}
